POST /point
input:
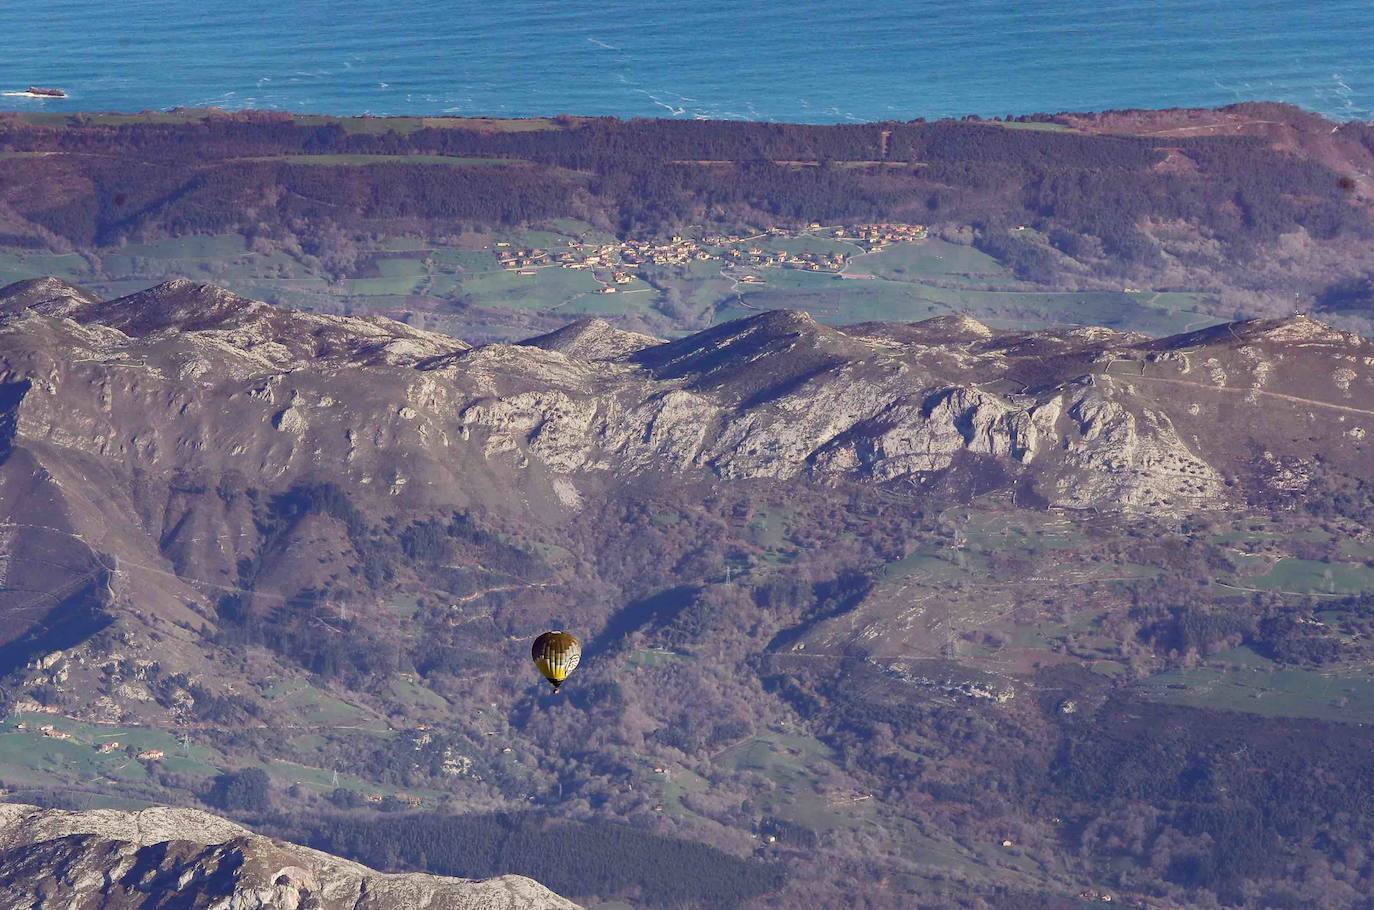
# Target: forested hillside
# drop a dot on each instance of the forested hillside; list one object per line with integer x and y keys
{"x": 1258, "y": 209}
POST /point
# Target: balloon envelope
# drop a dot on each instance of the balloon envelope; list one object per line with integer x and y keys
{"x": 555, "y": 655}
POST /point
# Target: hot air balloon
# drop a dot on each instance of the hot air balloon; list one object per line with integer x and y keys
{"x": 555, "y": 655}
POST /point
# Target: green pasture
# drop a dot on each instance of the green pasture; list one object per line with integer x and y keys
{"x": 195, "y": 246}
{"x": 1286, "y": 692}
{"x": 38, "y": 757}
{"x": 931, "y": 259}
{"x": 18, "y": 265}
{"x": 1305, "y": 576}
{"x": 627, "y": 300}
{"x": 363, "y": 124}
{"x": 313, "y": 707}
{"x": 466, "y": 260}
{"x": 381, "y": 287}
{"x": 409, "y": 693}
{"x": 789, "y": 760}
{"x": 651, "y": 658}
{"x": 768, "y": 529}
{"x": 368, "y": 160}
{"x": 546, "y": 288}
{"x": 842, "y": 301}
{"x": 1032, "y": 125}
{"x": 401, "y": 267}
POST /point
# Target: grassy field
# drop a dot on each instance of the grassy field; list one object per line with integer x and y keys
{"x": 409, "y": 693}
{"x": 36, "y": 758}
{"x": 360, "y": 125}
{"x": 1254, "y": 688}
{"x": 651, "y": 658}
{"x": 316, "y": 708}
{"x": 545, "y": 289}
{"x": 902, "y": 283}
{"x": 1309, "y": 576}
{"x": 792, "y": 762}
{"x": 1032, "y": 125}
{"x": 840, "y": 301}
{"x": 364, "y": 160}
{"x": 29, "y": 758}
{"x": 198, "y": 246}
{"x": 931, "y": 259}
{"x": 16, "y": 266}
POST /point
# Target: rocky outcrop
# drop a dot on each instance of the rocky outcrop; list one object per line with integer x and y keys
{"x": 593, "y": 339}
{"x": 49, "y": 296}
{"x": 163, "y": 857}
{"x": 186, "y": 377}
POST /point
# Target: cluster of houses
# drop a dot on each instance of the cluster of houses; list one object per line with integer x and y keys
{"x": 875, "y": 237}
{"x": 521, "y": 261}
{"x": 105, "y": 748}
{"x": 616, "y": 263}
{"x": 757, "y": 257}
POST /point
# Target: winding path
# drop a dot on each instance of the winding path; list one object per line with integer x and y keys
{"x": 1237, "y": 391}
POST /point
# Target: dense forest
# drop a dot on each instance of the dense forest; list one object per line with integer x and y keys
{"x": 572, "y": 858}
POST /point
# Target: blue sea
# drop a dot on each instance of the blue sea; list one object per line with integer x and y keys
{"x": 821, "y": 62}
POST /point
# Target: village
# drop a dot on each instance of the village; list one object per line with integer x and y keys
{"x": 621, "y": 262}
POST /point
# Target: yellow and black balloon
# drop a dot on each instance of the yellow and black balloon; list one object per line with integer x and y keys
{"x": 555, "y": 655}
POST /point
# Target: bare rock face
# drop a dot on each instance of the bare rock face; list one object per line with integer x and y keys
{"x": 593, "y": 339}
{"x": 188, "y": 379}
{"x": 781, "y": 397}
{"x": 163, "y": 857}
{"x": 49, "y": 296}
{"x": 147, "y": 433}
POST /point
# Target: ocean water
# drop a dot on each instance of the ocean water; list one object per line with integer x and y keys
{"x": 821, "y": 61}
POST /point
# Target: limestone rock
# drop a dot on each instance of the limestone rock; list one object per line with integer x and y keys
{"x": 131, "y": 860}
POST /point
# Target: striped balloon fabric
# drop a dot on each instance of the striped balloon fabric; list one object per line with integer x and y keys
{"x": 555, "y": 655}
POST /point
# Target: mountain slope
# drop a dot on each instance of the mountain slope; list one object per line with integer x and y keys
{"x": 245, "y": 535}
{"x": 145, "y": 436}
{"x": 145, "y": 859}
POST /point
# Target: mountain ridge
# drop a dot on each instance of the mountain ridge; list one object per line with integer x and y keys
{"x": 131, "y": 860}
{"x": 776, "y": 394}
{"x": 241, "y": 527}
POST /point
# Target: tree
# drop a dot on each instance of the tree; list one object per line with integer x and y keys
{"x": 248, "y": 790}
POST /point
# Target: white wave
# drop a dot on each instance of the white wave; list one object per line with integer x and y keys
{"x": 602, "y": 44}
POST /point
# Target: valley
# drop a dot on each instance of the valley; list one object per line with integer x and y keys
{"x": 978, "y": 509}
{"x": 1159, "y": 222}
{"x": 979, "y": 613}
{"x": 505, "y": 283}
